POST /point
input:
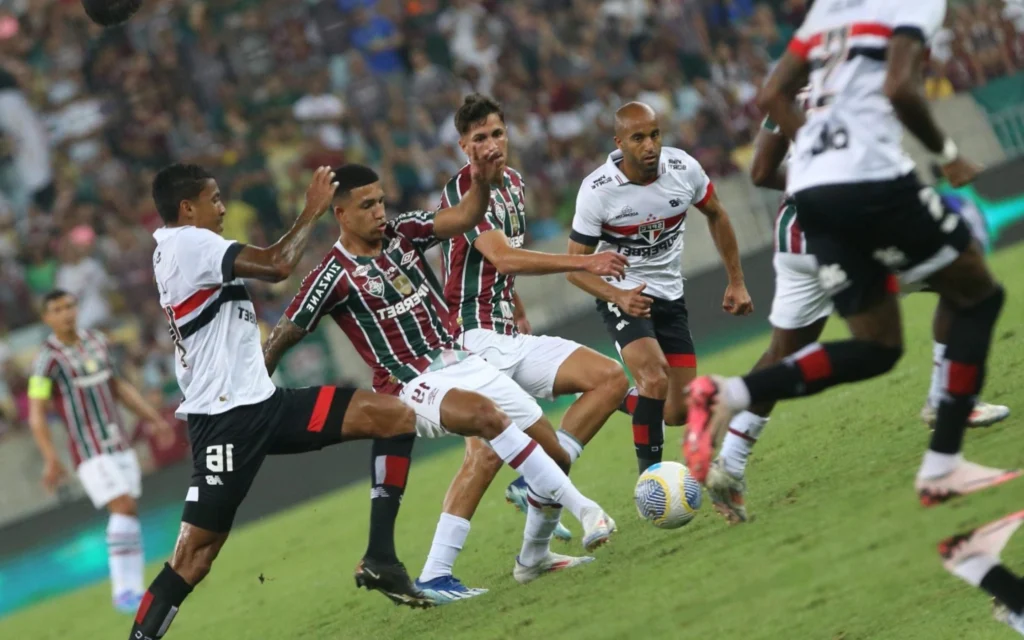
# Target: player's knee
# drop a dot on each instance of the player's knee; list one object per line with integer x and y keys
{"x": 652, "y": 380}
{"x": 614, "y": 383}
{"x": 488, "y": 419}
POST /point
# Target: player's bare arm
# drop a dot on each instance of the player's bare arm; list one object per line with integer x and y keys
{"x": 53, "y": 470}
{"x": 519, "y": 315}
{"x": 767, "y": 169}
{"x": 737, "y": 300}
{"x": 777, "y": 97}
{"x": 487, "y": 167}
{"x": 285, "y": 335}
{"x": 510, "y": 260}
{"x": 131, "y": 398}
{"x": 631, "y": 301}
{"x": 904, "y": 86}
{"x": 276, "y": 262}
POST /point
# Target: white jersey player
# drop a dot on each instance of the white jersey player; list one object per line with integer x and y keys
{"x": 636, "y": 204}
{"x": 869, "y": 223}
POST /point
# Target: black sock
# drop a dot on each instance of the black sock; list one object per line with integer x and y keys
{"x": 389, "y": 470}
{"x": 1005, "y": 587}
{"x": 820, "y": 366}
{"x": 970, "y": 337}
{"x": 628, "y": 404}
{"x": 648, "y": 431}
{"x": 159, "y": 605}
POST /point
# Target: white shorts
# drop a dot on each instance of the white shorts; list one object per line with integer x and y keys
{"x": 799, "y": 298}
{"x": 532, "y": 361}
{"x": 424, "y": 394}
{"x": 110, "y": 476}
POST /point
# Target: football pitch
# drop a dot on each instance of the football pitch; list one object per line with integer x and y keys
{"x": 839, "y": 547}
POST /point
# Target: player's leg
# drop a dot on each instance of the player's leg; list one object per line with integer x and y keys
{"x": 672, "y": 329}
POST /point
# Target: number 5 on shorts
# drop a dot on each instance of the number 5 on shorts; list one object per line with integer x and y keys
{"x": 220, "y": 458}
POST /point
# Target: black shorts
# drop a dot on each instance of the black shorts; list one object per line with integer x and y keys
{"x": 228, "y": 448}
{"x": 864, "y": 234}
{"x": 669, "y": 325}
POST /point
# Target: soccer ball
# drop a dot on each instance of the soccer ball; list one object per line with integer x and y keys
{"x": 667, "y": 495}
{"x": 109, "y": 13}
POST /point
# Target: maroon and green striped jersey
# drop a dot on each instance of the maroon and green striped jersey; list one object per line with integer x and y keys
{"x": 478, "y": 296}
{"x": 390, "y": 306}
{"x": 82, "y": 375}
{"x": 789, "y": 237}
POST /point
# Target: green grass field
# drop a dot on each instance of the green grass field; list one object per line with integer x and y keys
{"x": 839, "y": 547}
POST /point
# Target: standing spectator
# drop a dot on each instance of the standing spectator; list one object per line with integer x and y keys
{"x": 84, "y": 277}
{"x": 378, "y": 40}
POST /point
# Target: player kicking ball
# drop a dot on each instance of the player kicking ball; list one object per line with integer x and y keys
{"x": 76, "y": 364}
{"x": 799, "y": 312}
{"x": 377, "y": 286}
{"x": 636, "y": 204}
{"x": 488, "y": 319}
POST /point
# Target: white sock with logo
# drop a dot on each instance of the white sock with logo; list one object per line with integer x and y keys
{"x": 125, "y": 554}
{"x": 540, "y": 526}
{"x": 449, "y": 538}
{"x": 744, "y": 430}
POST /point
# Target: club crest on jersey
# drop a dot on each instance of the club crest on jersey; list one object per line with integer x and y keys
{"x": 403, "y": 284}
{"x": 499, "y": 210}
{"x": 651, "y": 231}
{"x": 408, "y": 257}
{"x": 374, "y": 286}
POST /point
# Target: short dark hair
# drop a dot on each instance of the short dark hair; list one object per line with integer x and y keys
{"x": 53, "y": 296}
{"x": 176, "y": 183}
{"x": 353, "y": 176}
{"x": 108, "y": 13}
{"x": 475, "y": 108}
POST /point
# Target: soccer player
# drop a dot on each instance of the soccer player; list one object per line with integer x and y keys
{"x": 974, "y": 557}
{"x": 799, "y": 312}
{"x": 377, "y": 286}
{"x": 866, "y": 217}
{"x": 88, "y": 388}
{"x": 236, "y": 416}
{"x": 488, "y": 319}
{"x": 636, "y": 204}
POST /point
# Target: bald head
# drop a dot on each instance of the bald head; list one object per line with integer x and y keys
{"x": 638, "y": 137}
{"x": 634, "y": 115}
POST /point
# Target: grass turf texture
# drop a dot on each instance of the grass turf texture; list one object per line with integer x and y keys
{"x": 839, "y": 547}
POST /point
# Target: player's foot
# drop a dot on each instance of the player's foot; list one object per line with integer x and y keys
{"x": 707, "y": 420}
{"x": 445, "y": 589}
{"x": 392, "y": 580}
{"x": 966, "y": 478}
{"x": 598, "y": 528}
{"x": 727, "y": 492}
{"x": 983, "y": 415}
{"x": 127, "y": 602}
{"x": 987, "y": 540}
{"x": 1003, "y": 614}
{"x": 515, "y": 494}
{"x": 552, "y": 563}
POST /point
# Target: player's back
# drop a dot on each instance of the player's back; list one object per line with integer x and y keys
{"x": 219, "y": 361}
{"x": 852, "y": 133}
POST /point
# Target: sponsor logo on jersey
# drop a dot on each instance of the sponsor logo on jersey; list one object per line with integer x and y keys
{"x": 649, "y": 252}
{"x": 625, "y": 213}
{"x": 374, "y": 286}
{"x": 676, "y": 164}
{"x": 674, "y": 203}
{"x": 361, "y": 270}
{"x": 600, "y": 181}
{"x": 394, "y": 244}
{"x": 403, "y": 285}
{"x": 405, "y": 305}
{"x": 651, "y": 231}
{"x": 408, "y": 257}
{"x": 390, "y": 272}
{"x": 323, "y": 284}
{"x": 516, "y": 242}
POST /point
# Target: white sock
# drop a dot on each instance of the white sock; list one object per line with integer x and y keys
{"x": 542, "y": 475}
{"x": 540, "y": 525}
{"x": 449, "y": 539}
{"x": 973, "y": 569}
{"x": 124, "y": 552}
{"x": 735, "y": 394}
{"x": 571, "y": 445}
{"x": 935, "y": 464}
{"x": 744, "y": 430}
{"x": 935, "y": 390}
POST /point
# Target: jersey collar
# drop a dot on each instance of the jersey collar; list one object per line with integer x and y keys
{"x": 615, "y": 157}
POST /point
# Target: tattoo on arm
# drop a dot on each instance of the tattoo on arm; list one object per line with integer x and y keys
{"x": 285, "y": 335}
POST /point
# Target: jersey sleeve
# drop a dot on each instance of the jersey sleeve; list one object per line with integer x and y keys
{"x": 703, "y": 188}
{"x": 588, "y": 219}
{"x": 921, "y": 19}
{"x": 40, "y": 383}
{"x": 322, "y": 290}
{"x": 206, "y": 259}
{"x": 417, "y": 227}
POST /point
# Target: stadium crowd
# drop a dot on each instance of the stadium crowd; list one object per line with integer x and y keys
{"x": 262, "y": 91}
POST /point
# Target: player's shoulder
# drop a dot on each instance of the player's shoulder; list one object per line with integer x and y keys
{"x": 457, "y": 186}
{"x": 599, "y": 180}
{"x": 677, "y": 159}
{"x": 514, "y": 176}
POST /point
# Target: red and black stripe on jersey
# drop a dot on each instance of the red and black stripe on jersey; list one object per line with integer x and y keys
{"x": 207, "y": 302}
{"x": 390, "y": 306}
{"x": 644, "y": 234}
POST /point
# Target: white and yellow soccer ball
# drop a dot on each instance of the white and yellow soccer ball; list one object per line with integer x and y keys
{"x": 667, "y": 495}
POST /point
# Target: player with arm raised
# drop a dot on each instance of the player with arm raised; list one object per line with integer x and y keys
{"x": 488, "y": 318}
{"x": 377, "y": 286}
{"x": 74, "y": 368}
{"x": 866, "y": 218}
{"x": 636, "y": 204}
{"x": 236, "y": 416}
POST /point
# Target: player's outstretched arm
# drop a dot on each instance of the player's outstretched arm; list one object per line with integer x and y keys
{"x": 770, "y": 149}
{"x": 276, "y": 262}
{"x": 472, "y": 207}
{"x": 510, "y": 260}
{"x": 53, "y": 470}
{"x": 737, "y": 300}
{"x": 631, "y": 301}
{"x": 778, "y": 96}
{"x": 285, "y": 335}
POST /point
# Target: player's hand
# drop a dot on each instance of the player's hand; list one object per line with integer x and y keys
{"x": 54, "y": 474}
{"x": 163, "y": 433}
{"x": 523, "y": 325}
{"x": 607, "y": 263}
{"x": 960, "y": 172}
{"x": 632, "y": 302}
{"x": 737, "y": 301}
{"x": 486, "y": 166}
{"x": 320, "y": 193}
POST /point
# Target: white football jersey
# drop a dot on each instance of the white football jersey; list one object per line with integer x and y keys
{"x": 219, "y": 360}
{"x": 852, "y": 133}
{"x": 645, "y": 223}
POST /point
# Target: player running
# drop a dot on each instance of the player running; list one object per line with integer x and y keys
{"x": 88, "y": 388}
{"x": 866, "y": 217}
{"x": 799, "y": 312}
{"x": 236, "y": 416}
{"x": 636, "y": 204}
{"x": 488, "y": 319}
{"x": 376, "y": 285}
